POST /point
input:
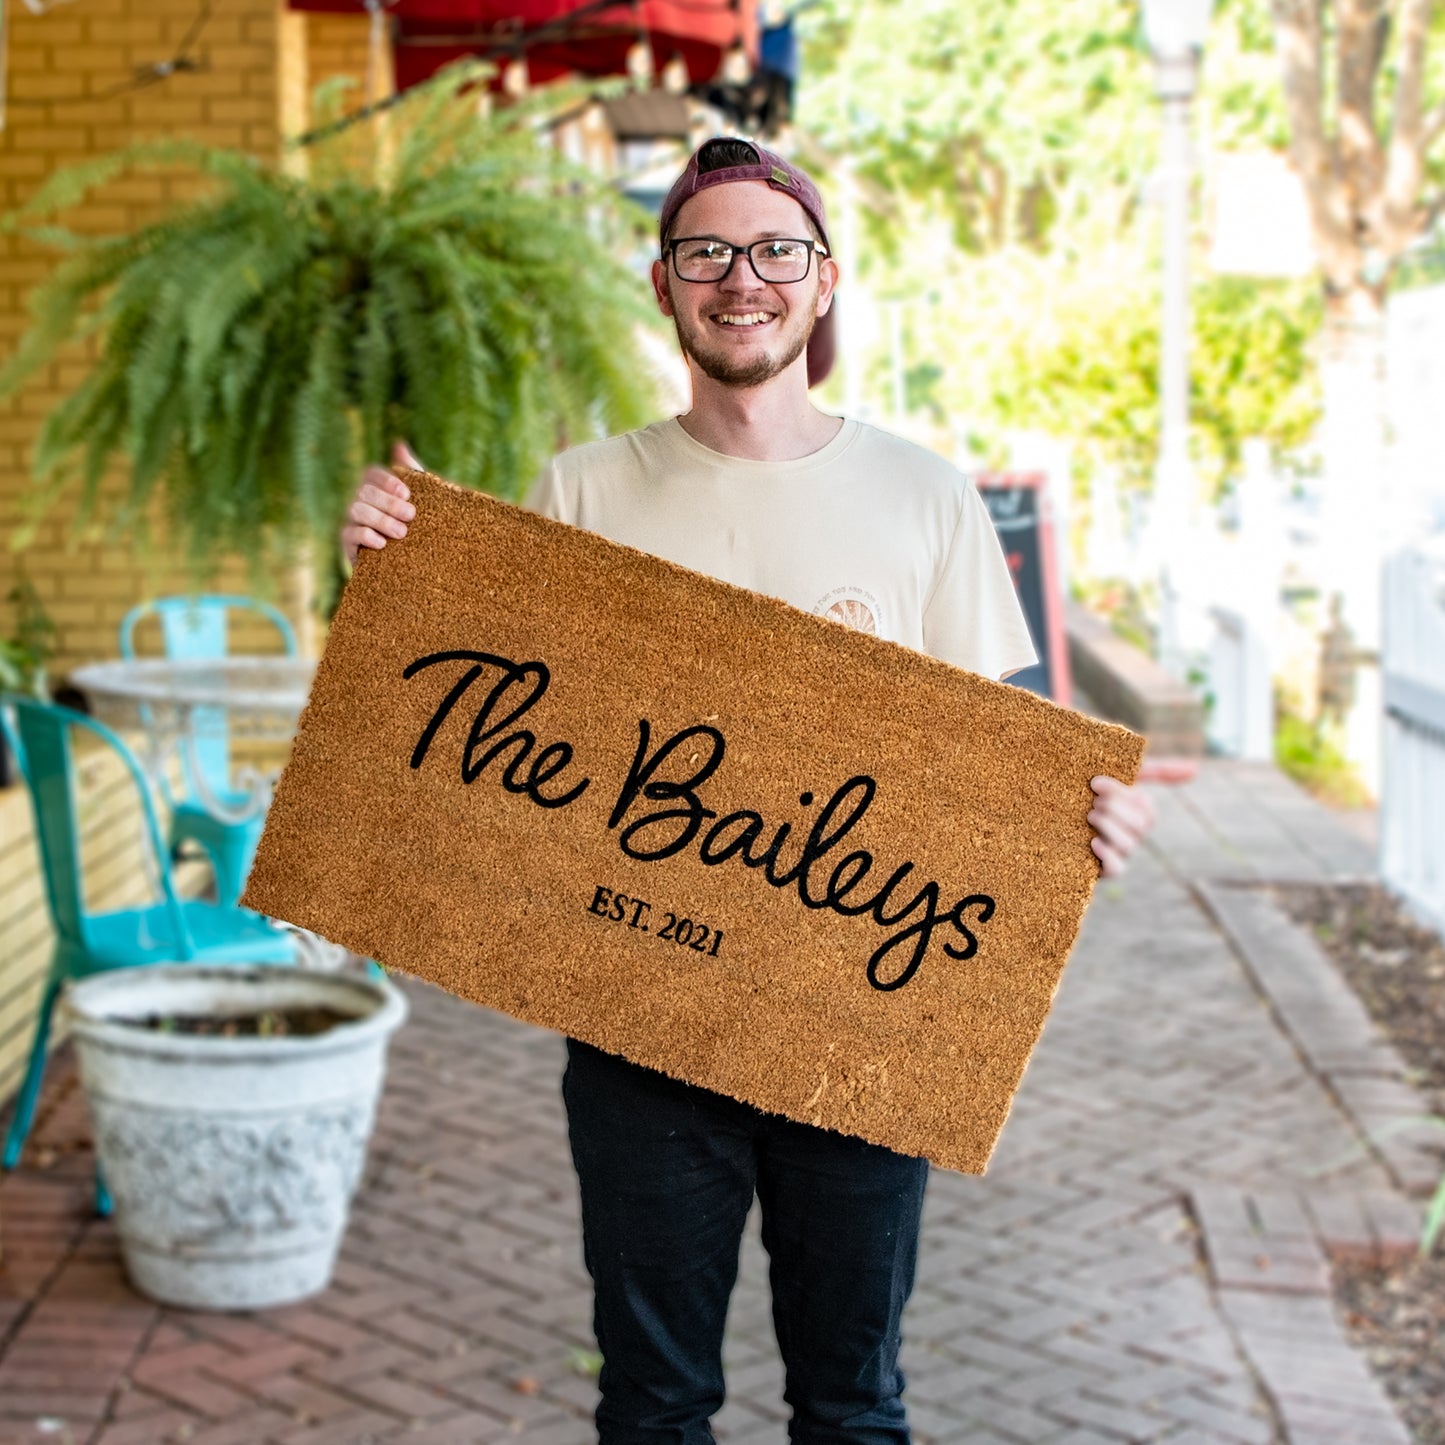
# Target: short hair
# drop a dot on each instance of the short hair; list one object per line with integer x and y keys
{"x": 724, "y": 151}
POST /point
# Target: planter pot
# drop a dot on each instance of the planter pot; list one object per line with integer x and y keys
{"x": 231, "y": 1161}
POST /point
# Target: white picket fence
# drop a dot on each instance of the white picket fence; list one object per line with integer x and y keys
{"x": 1240, "y": 723}
{"x": 1412, "y": 800}
{"x": 1230, "y": 614}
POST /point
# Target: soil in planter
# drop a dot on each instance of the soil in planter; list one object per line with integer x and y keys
{"x": 268, "y": 1023}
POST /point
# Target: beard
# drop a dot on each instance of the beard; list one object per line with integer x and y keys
{"x": 721, "y": 365}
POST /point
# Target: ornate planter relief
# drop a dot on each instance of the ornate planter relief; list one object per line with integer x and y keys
{"x": 214, "y": 1178}
{"x": 231, "y": 1161}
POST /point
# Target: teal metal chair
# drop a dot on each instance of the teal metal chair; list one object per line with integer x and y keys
{"x": 196, "y": 627}
{"x": 171, "y": 930}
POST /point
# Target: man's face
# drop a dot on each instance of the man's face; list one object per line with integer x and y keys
{"x": 743, "y": 331}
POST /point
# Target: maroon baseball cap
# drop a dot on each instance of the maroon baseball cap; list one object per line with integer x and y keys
{"x": 781, "y": 175}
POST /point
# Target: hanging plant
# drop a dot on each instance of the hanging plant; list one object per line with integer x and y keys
{"x": 452, "y": 280}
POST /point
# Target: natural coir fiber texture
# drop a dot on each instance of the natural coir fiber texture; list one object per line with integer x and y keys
{"x": 689, "y": 824}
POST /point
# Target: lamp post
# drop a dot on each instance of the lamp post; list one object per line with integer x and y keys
{"x": 1175, "y": 31}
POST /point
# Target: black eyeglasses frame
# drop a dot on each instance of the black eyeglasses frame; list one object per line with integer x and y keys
{"x": 815, "y": 248}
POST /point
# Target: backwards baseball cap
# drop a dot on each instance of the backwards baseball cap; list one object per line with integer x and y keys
{"x": 725, "y": 159}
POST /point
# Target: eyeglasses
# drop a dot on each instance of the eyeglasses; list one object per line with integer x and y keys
{"x": 777, "y": 260}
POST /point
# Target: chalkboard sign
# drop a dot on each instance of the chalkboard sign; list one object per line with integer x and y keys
{"x": 1019, "y": 505}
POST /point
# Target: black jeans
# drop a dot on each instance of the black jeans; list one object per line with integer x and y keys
{"x": 668, "y": 1173}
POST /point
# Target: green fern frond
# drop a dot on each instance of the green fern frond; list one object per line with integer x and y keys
{"x": 257, "y": 344}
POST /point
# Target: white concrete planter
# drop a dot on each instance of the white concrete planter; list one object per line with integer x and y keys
{"x": 231, "y": 1161}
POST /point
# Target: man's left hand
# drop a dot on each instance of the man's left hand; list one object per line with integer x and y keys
{"x": 1123, "y": 816}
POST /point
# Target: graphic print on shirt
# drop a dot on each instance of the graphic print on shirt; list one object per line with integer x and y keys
{"x": 854, "y": 607}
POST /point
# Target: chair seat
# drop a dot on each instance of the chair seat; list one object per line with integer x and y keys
{"x": 221, "y": 935}
{"x": 230, "y": 846}
{"x": 198, "y": 820}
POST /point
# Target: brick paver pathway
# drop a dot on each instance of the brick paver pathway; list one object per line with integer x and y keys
{"x": 1143, "y": 1261}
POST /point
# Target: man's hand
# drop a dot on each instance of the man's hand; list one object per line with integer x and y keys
{"x": 381, "y": 507}
{"x": 1123, "y": 816}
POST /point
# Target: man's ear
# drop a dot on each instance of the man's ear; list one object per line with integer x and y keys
{"x": 827, "y": 280}
{"x": 660, "y": 281}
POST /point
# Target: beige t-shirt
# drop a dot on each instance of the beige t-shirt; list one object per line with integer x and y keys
{"x": 871, "y": 531}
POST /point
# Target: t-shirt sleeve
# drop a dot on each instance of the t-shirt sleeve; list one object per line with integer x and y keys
{"x": 973, "y": 618}
{"x": 548, "y": 496}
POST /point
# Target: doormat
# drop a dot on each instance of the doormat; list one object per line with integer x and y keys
{"x": 689, "y": 824}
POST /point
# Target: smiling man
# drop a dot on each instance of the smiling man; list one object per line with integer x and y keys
{"x": 710, "y": 329}
{"x": 756, "y": 486}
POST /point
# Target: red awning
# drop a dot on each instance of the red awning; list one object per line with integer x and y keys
{"x": 560, "y": 37}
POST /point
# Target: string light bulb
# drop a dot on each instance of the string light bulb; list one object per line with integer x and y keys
{"x": 736, "y": 68}
{"x": 675, "y": 77}
{"x": 515, "y": 80}
{"x": 640, "y": 63}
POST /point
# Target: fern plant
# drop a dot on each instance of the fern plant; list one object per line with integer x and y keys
{"x": 452, "y": 280}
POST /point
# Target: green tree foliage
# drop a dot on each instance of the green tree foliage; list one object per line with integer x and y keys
{"x": 462, "y": 287}
{"x": 1241, "y": 101}
{"x": 1003, "y": 152}
{"x": 1089, "y": 369}
{"x": 1010, "y": 115}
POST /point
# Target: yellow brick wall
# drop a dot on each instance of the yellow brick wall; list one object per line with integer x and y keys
{"x": 55, "y": 59}
{"x": 262, "y": 60}
{"x": 340, "y": 45}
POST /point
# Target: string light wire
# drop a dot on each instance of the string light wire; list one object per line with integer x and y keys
{"x": 182, "y": 62}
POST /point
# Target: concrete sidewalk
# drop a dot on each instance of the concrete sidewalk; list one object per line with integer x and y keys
{"x": 1208, "y": 1111}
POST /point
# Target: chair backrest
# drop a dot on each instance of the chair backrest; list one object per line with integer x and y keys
{"x": 196, "y": 627}
{"x": 10, "y": 735}
{"x": 39, "y": 733}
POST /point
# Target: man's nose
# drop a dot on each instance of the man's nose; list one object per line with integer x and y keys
{"x": 740, "y": 276}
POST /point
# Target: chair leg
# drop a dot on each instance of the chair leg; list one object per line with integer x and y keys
{"x": 34, "y": 1071}
{"x": 230, "y": 865}
{"x": 231, "y": 859}
{"x": 103, "y": 1204}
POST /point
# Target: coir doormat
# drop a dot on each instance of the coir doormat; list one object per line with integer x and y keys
{"x": 689, "y": 824}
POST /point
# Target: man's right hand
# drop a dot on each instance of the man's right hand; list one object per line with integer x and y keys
{"x": 381, "y": 507}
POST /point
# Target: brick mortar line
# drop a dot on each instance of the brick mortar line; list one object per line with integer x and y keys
{"x": 1257, "y": 1345}
{"x": 122, "y": 1382}
{"x": 1365, "y": 1411}
{"x": 1231, "y": 1327}
{"x": 1373, "y": 1142}
{"x": 78, "y": 1230}
{"x": 1199, "y": 890}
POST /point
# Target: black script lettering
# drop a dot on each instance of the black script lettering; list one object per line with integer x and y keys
{"x": 713, "y": 851}
{"x": 984, "y": 904}
{"x": 527, "y": 682}
{"x": 717, "y": 847}
{"x": 739, "y": 834}
{"x": 849, "y": 873}
{"x": 922, "y": 931}
{"x": 768, "y": 861}
{"x": 820, "y": 840}
{"x": 600, "y": 901}
{"x": 640, "y": 782}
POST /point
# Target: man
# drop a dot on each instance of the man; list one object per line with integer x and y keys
{"x": 756, "y": 486}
